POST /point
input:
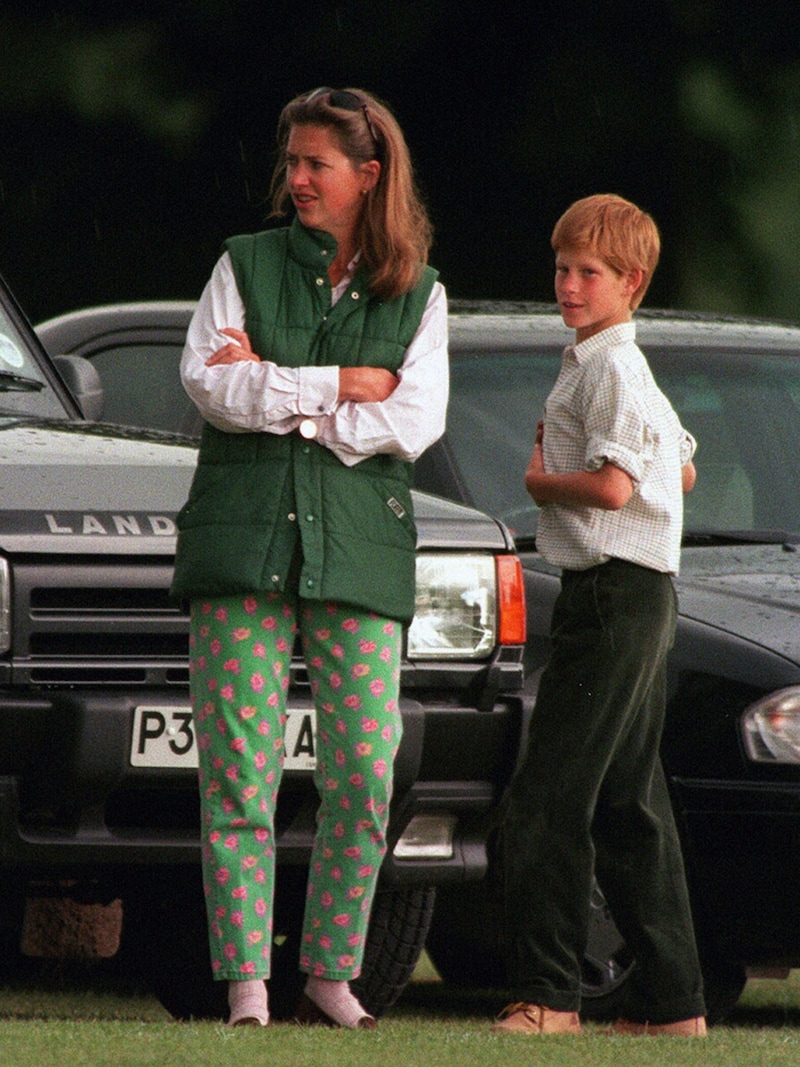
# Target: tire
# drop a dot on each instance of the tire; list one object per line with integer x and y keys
{"x": 166, "y": 936}
{"x": 607, "y": 964}
{"x": 398, "y": 929}
{"x": 166, "y": 932}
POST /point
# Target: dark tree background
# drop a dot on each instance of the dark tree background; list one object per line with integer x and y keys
{"x": 135, "y": 137}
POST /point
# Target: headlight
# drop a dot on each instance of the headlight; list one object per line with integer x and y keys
{"x": 771, "y": 727}
{"x": 466, "y": 604}
{"x": 5, "y": 606}
{"x": 455, "y": 609}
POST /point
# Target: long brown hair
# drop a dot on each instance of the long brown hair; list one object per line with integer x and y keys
{"x": 395, "y": 233}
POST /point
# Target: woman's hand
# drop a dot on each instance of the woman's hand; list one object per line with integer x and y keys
{"x": 236, "y": 352}
{"x": 366, "y": 384}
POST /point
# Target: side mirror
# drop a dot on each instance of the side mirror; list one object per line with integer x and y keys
{"x": 81, "y": 378}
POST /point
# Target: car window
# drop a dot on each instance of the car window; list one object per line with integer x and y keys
{"x": 142, "y": 385}
{"x": 744, "y": 411}
{"x": 24, "y": 388}
{"x": 743, "y": 408}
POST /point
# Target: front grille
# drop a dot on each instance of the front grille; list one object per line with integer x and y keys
{"x": 56, "y": 600}
{"x": 51, "y": 643}
{"x": 97, "y": 621}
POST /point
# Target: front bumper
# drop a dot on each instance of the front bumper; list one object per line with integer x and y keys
{"x": 72, "y": 805}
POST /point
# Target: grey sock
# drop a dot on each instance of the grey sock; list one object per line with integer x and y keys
{"x": 336, "y": 1000}
{"x": 248, "y": 1002}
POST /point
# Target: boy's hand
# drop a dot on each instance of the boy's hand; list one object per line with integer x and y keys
{"x": 688, "y": 477}
{"x": 535, "y": 469}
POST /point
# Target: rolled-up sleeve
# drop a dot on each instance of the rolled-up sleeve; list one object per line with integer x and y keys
{"x": 617, "y": 428}
{"x": 688, "y": 447}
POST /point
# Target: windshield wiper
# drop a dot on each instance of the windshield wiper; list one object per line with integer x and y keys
{"x": 18, "y": 383}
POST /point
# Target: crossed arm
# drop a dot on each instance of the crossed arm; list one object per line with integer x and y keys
{"x": 360, "y": 384}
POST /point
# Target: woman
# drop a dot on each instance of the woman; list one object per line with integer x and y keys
{"x": 318, "y": 358}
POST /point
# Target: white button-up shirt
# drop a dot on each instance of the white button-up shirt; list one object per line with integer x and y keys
{"x": 606, "y": 407}
{"x": 263, "y": 397}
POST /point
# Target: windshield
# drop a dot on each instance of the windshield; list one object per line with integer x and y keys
{"x": 743, "y": 409}
{"x": 24, "y": 388}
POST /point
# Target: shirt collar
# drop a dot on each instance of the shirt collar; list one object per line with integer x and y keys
{"x": 346, "y": 278}
{"x": 599, "y": 342}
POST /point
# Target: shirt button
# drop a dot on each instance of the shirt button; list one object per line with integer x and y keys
{"x": 310, "y": 583}
{"x": 320, "y": 281}
{"x": 275, "y": 579}
{"x": 355, "y": 296}
{"x": 309, "y": 518}
{"x": 291, "y": 516}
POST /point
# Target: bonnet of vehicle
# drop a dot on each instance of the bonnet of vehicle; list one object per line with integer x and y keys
{"x": 73, "y": 487}
{"x": 749, "y": 590}
{"x": 442, "y": 523}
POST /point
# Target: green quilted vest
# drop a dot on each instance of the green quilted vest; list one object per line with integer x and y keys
{"x": 261, "y": 503}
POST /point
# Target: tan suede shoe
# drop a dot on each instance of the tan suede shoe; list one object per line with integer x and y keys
{"x": 685, "y": 1028}
{"x": 535, "y": 1019}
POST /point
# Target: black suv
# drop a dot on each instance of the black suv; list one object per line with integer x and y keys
{"x": 731, "y": 745}
{"x": 98, "y": 791}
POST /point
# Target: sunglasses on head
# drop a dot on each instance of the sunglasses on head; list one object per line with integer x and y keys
{"x": 346, "y": 101}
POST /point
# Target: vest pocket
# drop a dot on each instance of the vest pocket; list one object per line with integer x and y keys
{"x": 372, "y": 511}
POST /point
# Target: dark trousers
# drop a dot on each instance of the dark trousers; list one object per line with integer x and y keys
{"x": 591, "y": 798}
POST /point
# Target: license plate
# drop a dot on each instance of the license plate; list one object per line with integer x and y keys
{"x": 164, "y": 737}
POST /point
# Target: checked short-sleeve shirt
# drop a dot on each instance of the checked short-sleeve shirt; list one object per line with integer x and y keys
{"x": 606, "y": 406}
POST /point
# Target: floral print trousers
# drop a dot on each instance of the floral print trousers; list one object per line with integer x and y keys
{"x": 240, "y": 655}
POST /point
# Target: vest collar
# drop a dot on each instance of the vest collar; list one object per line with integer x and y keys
{"x": 314, "y": 249}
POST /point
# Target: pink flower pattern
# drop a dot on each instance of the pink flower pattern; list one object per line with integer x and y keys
{"x": 353, "y": 662}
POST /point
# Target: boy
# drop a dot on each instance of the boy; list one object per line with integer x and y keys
{"x": 608, "y": 470}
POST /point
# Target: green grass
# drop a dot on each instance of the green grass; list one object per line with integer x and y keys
{"x": 60, "y": 1023}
